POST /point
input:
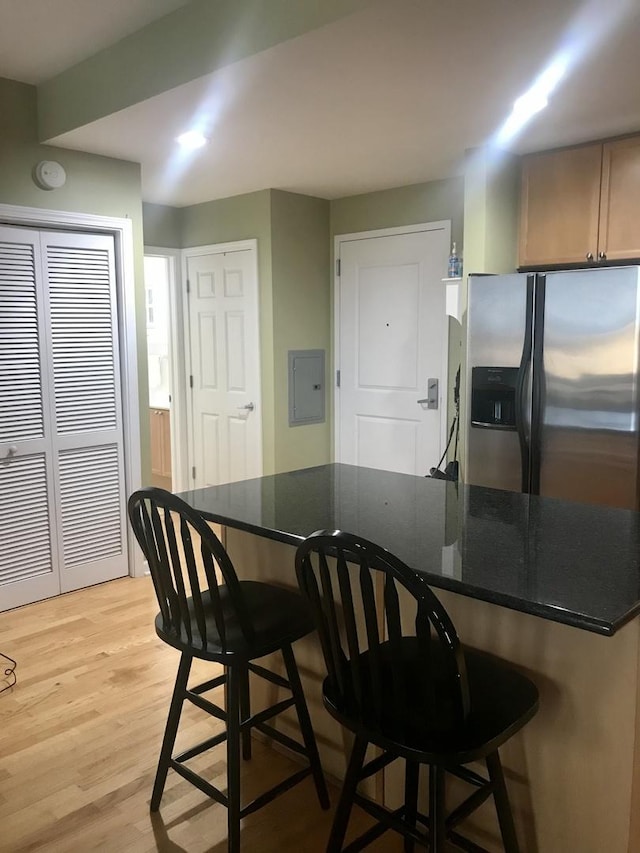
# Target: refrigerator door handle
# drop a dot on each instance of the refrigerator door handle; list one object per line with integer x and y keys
{"x": 538, "y": 385}
{"x": 523, "y": 391}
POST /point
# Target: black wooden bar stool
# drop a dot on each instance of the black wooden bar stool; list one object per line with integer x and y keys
{"x": 232, "y": 623}
{"x": 411, "y": 691}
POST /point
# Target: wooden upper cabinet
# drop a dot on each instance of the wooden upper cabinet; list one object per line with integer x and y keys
{"x": 581, "y": 205}
{"x": 560, "y": 206}
{"x": 620, "y": 202}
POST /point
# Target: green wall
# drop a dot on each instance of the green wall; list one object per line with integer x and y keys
{"x": 428, "y": 202}
{"x": 96, "y": 185}
{"x": 491, "y": 199}
{"x": 161, "y": 226}
{"x": 301, "y": 319}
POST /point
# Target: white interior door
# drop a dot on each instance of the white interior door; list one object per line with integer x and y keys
{"x": 226, "y": 418}
{"x": 62, "y": 523}
{"x": 391, "y": 342}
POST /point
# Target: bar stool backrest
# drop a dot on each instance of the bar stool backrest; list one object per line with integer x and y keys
{"x": 377, "y": 665}
{"x": 171, "y": 534}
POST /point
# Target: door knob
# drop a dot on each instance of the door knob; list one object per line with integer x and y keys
{"x": 589, "y": 256}
{"x": 602, "y": 256}
{"x": 432, "y": 391}
{"x": 248, "y": 408}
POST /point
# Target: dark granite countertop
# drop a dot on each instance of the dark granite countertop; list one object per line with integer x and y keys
{"x": 568, "y": 562}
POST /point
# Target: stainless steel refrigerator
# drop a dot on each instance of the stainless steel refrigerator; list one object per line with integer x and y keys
{"x": 552, "y": 384}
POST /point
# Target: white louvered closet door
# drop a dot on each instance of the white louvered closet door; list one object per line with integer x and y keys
{"x": 62, "y": 500}
{"x": 28, "y": 542}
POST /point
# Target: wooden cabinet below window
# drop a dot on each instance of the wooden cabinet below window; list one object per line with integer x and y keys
{"x": 160, "y": 420}
{"x": 581, "y": 205}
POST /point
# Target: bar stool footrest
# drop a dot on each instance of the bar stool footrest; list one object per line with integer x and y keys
{"x": 267, "y": 714}
{"x": 465, "y": 843}
{"x": 282, "y": 739}
{"x": 273, "y": 677}
{"x": 199, "y": 748}
{"x": 200, "y": 783}
{"x": 274, "y": 792}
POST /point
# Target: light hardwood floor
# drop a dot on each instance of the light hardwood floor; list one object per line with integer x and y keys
{"x": 81, "y": 731}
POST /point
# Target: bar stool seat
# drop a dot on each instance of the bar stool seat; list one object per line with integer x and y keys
{"x": 206, "y": 612}
{"x": 501, "y": 701}
{"x": 279, "y": 617}
{"x": 400, "y": 680}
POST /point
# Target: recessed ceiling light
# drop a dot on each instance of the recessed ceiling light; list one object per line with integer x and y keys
{"x": 191, "y": 140}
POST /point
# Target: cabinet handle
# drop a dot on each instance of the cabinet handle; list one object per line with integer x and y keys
{"x": 589, "y": 256}
{"x": 602, "y": 256}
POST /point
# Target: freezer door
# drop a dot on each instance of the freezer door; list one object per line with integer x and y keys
{"x": 498, "y": 396}
{"x": 586, "y": 448}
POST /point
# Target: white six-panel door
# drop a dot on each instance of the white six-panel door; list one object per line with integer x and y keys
{"x": 226, "y": 417}
{"x": 62, "y": 502}
{"x": 391, "y": 310}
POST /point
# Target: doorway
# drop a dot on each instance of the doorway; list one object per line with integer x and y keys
{"x": 158, "y": 323}
{"x": 391, "y": 347}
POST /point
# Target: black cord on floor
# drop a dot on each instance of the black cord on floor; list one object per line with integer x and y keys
{"x": 9, "y": 671}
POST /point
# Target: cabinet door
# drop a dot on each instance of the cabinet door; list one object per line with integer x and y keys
{"x": 620, "y": 205}
{"x": 560, "y": 204}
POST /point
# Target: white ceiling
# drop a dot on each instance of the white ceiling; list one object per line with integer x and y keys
{"x": 386, "y": 97}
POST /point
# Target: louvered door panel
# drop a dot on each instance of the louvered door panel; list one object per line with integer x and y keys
{"x": 88, "y": 441}
{"x": 90, "y": 505}
{"x": 82, "y": 338}
{"x": 25, "y": 535}
{"x": 21, "y": 405}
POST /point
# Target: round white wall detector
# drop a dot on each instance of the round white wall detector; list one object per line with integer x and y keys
{"x": 49, "y": 175}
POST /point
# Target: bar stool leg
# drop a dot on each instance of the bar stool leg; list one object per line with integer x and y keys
{"x": 411, "y": 772}
{"x": 345, "y": 803}
{"x": 503, "y": 808}
{"x": 305, "y": 726}
{"x": 233, "y": 758}
{"x": 171, "y": 730}
{"x": 245, "y": 709}
{"x": 437, "y": 828}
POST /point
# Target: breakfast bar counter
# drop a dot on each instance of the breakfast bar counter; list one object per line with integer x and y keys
{"x": 551, "y": 586}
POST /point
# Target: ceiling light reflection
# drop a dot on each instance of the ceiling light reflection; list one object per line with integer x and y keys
{"x": 533, "y": 101}
{"x": 191, "y": 140}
